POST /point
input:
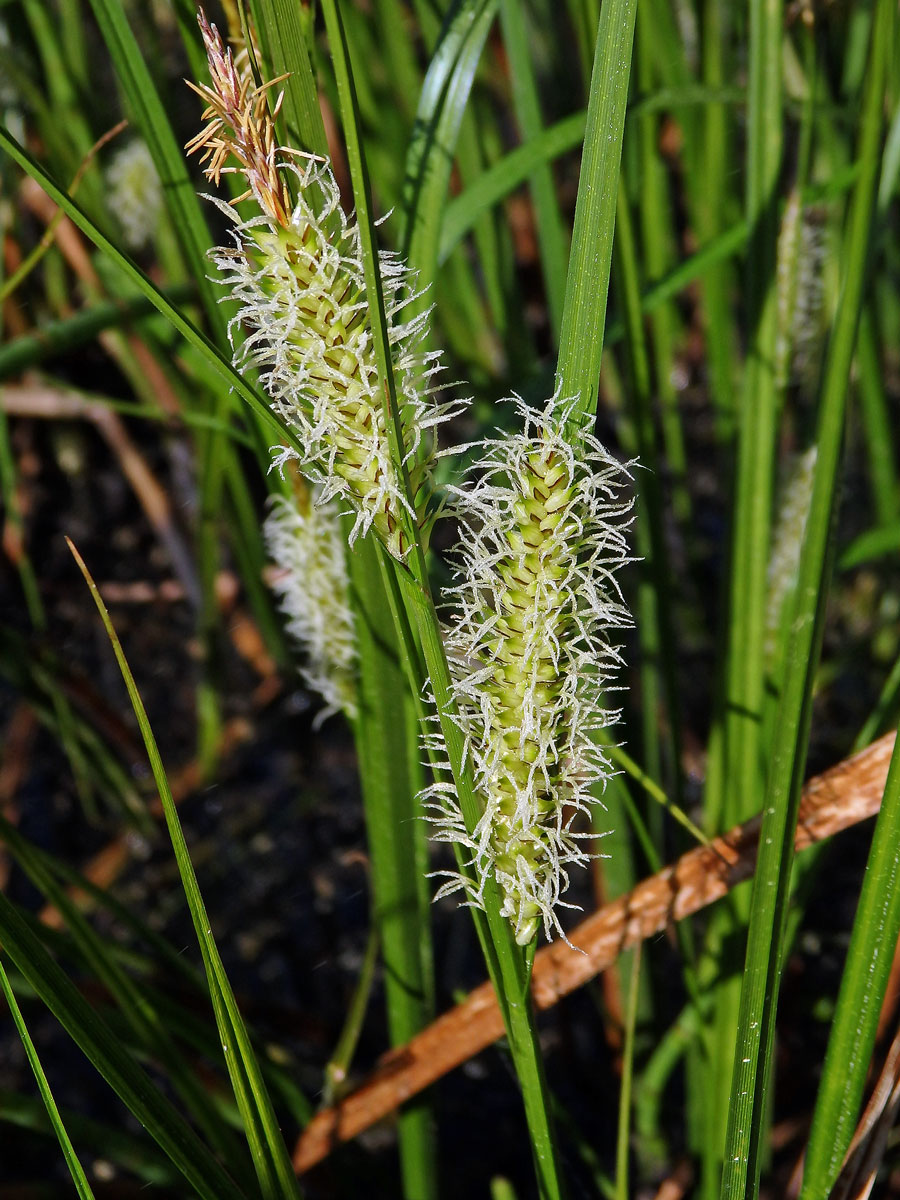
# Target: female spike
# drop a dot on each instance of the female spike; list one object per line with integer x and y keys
{"x": 296, "y": 271}
{"x": 542, "y": 535}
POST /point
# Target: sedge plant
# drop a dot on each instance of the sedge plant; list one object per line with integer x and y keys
{"x": 450, "y": 580}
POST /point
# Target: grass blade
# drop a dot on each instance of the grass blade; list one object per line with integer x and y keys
{"x": 551, "y": 235}
{"x": 461, "y": 212}
{"x": 442, "y": 104}
{"x": 876, "y": 929}
{"x": 391, "y": 777}
{"x": 82, "y": 1187}
{"x": 759, "y": 992}
{"x": 506, "y": 963}
{"x": 267, "y": 1148}
{"x": 104, "y": 1049}
{"x": 587, "y": 286}
{"x": 280, "y": 24}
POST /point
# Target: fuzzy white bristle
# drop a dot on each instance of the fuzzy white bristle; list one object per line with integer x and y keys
{"x": 542, "y": 534}
{"x": 311, "y": 580}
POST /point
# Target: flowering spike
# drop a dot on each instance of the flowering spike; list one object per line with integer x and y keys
{"x": 135, "y": 193}
{"x": 240, "y": 125}
{"x": 787, "y": 542}
{"x": 542, "y": 534}
{"x": 305, "y": 540}
{"x": 298, "y": 277}
{"x": 800, "y": 292}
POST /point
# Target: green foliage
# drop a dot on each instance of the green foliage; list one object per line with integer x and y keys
{"x": 682, "y": 219}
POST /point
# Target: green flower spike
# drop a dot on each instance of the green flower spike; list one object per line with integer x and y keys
{"x": 297, "y": 274}
{"x": 305, "y": 540}
{"x": 542, "y": 535}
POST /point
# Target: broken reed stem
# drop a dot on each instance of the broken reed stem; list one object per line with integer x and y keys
{"x": 837, "y": 799}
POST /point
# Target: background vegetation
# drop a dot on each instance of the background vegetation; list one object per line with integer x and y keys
{"x": 702, "y": 195}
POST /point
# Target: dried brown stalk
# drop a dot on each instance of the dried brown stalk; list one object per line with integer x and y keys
{"x": 869, "y": 1143}
{"x": 835, "y": 800}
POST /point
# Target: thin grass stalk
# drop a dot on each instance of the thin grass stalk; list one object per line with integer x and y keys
{"x": 550, "y": 231}
{"x": 513, "y": 169}
{"x": 280, "y": 27}
{"x": 587, "y": 284}
{"x": 71, "y": 333}
{"x": 741, "y": 772}
{"x": 886, "y": 704}
{"x": 711, "y": 190}
{"x": 392, "y": 777}
{"x": 439, "y": 115}
{"x": 655, "y": 629}
{"x": 338, "y": 1065}
{"x": 759, "y": 993}
{"x": 651, "y": 1085}
{"x": 505, "y": 961}
{"x": 657, "y": 239}
{"x": 76, "y": 1171}
{"x": 623, "y": 1133}
{"x": 104, "y": 1049}
{"x": 851, "y": 1041}
{"x": 876, "y": 422}
{"x": 130, "y": 1151}
{"x": 759, "y": 403}
{"x": 270, "y": 1159}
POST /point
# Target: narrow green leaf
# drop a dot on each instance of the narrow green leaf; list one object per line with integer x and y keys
{"x": 391, "y": 777}
{"x": 587, "y": 287}
{"x": 284, "y": 27}
{"x": 759, "y": 991}
{"x": 551, "y": 235}
{"x": 104, "y": 1049}
{"x": 130, "y": 1152}
{"x": 623, "y": 1134}
{"x": 736, "y": 780}
{"x": 267, "y": 1148}
{"x": 442, "y": 104}
{"x": 876, "y": 929}
{"x": 82, "y": 1187}
{"x": 61, "y": 337}
{"x": 462, "y": 211}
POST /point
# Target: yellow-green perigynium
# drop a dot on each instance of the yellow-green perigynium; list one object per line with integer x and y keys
{"x": 296, "y": 272}
{"x": 542, "y": 534}
{"x": 305, "y": 540}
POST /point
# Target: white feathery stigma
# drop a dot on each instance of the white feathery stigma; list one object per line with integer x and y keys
{"x": 305, "y": 541}
{"x": 296, "y": 271}
{"x": 542, "y": 534}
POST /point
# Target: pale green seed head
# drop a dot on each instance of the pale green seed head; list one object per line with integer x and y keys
{"x": 542, "y": 531}
{"x": 305, "y": 541}
{"x": 296, "y": 272}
